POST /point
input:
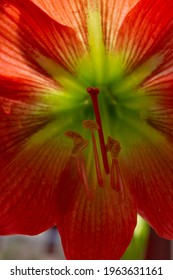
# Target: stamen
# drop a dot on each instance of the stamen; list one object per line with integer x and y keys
{"x": 113, "y": 146}
{"x": 92, "y": 126}
{"x": 79, "y": 145}
{"x": 93, "y": 92}
{"x": 78, "y": 163}
{"x": 115, "y": 176}
{"x": 84, "y": 177}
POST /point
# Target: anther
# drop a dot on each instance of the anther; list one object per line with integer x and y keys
{"x": 113, "y": 146}
{"x": 79, "y": 147}
{"x": 80, "y": 144}
{"x": 93, "y": 92}
{"x": 90, "y": 124}
{"x": 93, "y": 126}
{"x": 74, "y": 135}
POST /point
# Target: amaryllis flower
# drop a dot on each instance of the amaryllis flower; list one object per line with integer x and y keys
{"x": 86, "y": 115}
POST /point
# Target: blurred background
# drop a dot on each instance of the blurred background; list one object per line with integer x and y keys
{"x": 144, "y": 245}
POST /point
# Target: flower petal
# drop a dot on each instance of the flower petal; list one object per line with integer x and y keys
{"x": 152, "y": 42}
{"x": 151, "y": 166}
{"x": 113, "y": 13}
{"x": 32, "y": 150}
{"x": 19, "y": 121}
{"x": 74, "y": 13}
{"x": 71, "y": 13}
{"x": 25, "y": 89}
{"x": 160, "y": 87}
{"x": 29, "y": 189}
{"x": 32, "y": 154}
{"x": 23, "y": 40}
{"x": 161, "y": 118}
{"x": 145, "y": 32}
{"x": 97, "y": 228}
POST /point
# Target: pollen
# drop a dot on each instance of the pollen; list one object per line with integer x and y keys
{"x": 113, "y": 146}
{"x": 80, "y": 143}
{"x": 79, "y": 147}
{"x": 74, "y": 135}
{"x": 90, "y": 124}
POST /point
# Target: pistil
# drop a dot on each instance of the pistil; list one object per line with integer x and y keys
{"x": 93, "y": 92}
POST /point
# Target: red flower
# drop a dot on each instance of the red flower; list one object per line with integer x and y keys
{"x": 62, "y": 65}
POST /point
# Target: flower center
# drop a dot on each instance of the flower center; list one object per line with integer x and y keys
{"x": 125, "y": 102}
{"x": 112, "y": 146}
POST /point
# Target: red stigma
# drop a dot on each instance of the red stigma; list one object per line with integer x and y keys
{"x": 93, "y": 90}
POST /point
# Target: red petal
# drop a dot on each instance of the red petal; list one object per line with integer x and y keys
{"x": 145, "y": 31}
{"x": 160, "y": 87}
{"x": 30, "y": 166}
{"x": 68, "y": 12}
{"x": 151, "y": 167}
{"x": 74, "y": 13}
{"x": 32, "y": 151}
{"x": 29, "y": 170}
{"x": 112, "y": 15}
{"x": 23, "y": 39}
{"x": 100, "y": 228}
{"x": 19, "y": 121}
{"x": 25, "y": 89}
{"x": 29, "y": 189}
{"x": 162, "y": 118}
